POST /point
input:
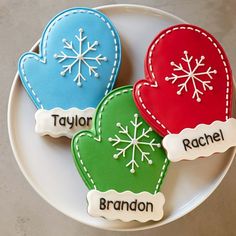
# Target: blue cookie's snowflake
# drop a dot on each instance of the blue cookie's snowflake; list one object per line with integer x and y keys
{"x": 80, "y": 58}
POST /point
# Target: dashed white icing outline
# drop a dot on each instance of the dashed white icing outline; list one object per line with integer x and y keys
{"x": 44, "y": 50}
{"x": 155, "y": 85}
{"x": 150, "y": 66}
{"x": 98, "y": 139}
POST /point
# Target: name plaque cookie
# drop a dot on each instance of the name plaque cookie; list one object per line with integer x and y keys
{"x": 204, "y": 140}
{"x": 58, "y": 122}
{"x": 126, "y": 206}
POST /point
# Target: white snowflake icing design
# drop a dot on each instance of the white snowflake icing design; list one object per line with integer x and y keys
{"x": 200, "y": 80}
{"x": 80, "y": 58}
{"x": 135, "y": 142}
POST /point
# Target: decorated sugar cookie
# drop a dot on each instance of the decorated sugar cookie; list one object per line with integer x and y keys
{"x": 77, "y": 65}
{"x": 187, "y": 93}
{"x": 121, "y": 161}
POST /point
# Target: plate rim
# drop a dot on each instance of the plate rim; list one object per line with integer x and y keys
{"x": 42, "y": 195}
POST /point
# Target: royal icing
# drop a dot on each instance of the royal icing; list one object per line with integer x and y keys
{"x": 134, "y": 141}
{"x": 77, "y": 64}
{"x": 187, "y": 73}
{"x": 126, "y": 206}
{"x": 126, "y": 154}
{"x": 201, "y": 141}
{"x": 57, "y": 122}
{"x": 192, "y": 75}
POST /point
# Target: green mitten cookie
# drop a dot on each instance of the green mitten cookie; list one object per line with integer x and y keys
{"x": 121, "y": 153}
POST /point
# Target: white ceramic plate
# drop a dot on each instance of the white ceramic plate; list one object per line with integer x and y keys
{"x": 48, "y": 165}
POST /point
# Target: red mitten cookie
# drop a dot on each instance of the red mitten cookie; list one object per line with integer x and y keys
{"x": 188, "y": 83}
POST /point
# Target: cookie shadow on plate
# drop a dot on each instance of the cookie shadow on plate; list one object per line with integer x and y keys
{"x": 62, "y": 142}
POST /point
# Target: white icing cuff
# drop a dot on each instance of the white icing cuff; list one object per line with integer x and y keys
{"x": 58, "y": 122}
{"x": 203, "y": 140}
{"x": 126, "y": 206}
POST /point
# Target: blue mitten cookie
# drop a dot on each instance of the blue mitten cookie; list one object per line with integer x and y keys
{"x": 77, "y": 65}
